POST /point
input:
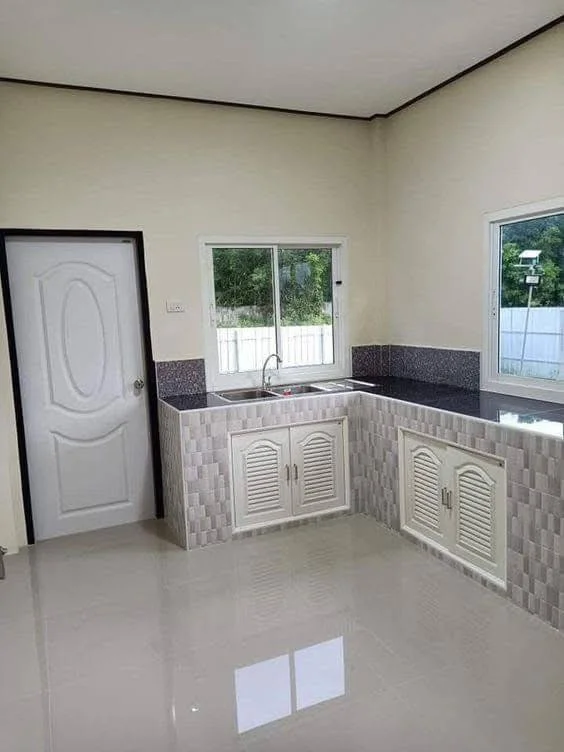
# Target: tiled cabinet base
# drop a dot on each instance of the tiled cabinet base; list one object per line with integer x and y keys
{"x": 205, "y": 472}
{"x": 535, "y": 491}
{"x": 198, "y": 495}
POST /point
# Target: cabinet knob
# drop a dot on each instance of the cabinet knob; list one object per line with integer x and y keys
{"x": 138, "y": 384}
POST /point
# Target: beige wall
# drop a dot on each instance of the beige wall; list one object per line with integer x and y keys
{"x": 410, "y": 194}
{"x": 175, "y": 170}
{"x": 494, "y": 139}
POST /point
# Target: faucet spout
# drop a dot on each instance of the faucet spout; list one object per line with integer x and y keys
{"x": 265, "y": 381}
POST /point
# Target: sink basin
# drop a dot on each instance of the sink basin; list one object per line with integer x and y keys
{"x": 342, "y": 385}
{"x": 293, "y": 389}
{"x": 243, "y": 395}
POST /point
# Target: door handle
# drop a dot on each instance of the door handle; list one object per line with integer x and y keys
{"x": 295, "y": 472}
{"x": 446, "y": 498}
{"x": 138, "y": 384}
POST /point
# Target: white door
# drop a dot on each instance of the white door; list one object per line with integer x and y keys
{"x": 318, "y": 467}
{"x": 424, "y": 488}
{"x": 478, "y": 509}
{"x": 79, "y": 346}
{"x": 261, "y": 477}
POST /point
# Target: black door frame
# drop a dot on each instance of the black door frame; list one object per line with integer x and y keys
{"x": 150, "y": 374}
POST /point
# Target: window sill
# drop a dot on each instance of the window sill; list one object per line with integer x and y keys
{"x": 530, "y": 389}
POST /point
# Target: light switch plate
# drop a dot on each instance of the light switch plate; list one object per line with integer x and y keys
{"x": 175, "y": 306}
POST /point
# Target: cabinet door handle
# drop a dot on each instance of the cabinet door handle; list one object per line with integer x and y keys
{"x": 449, "y": 500}
{"x": 295, "y": 472}
{"x": 287, "y": 473}
{"x": 444, "y": 494}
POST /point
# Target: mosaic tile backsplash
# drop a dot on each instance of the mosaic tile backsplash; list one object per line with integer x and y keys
{"x": 437, "y": 365}
{"x": 198, "y": 496}
{"x": 180, "y": 377}
{"x": 370, "y": 360}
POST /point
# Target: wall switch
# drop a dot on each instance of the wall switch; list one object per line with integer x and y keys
{"x": 175, "y": 306}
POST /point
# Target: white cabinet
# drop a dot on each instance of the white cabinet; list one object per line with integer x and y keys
{"x": 319, "y": 467}
{"x": 455, "y": 499}
{"x": 477, "y": 509}
{"x": 261, "y": 476}
{"x": 425, "y": 478}
{"x": 288, "y": 472}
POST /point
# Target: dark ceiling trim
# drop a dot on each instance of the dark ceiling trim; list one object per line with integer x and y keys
{"x": 472, "y": 68}
{"x": 312, "y": 113}
{"x": 173, "y": 98}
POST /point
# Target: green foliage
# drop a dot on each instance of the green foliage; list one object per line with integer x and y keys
{"x": 243, "y": 277}
{"x": 547, "y": 235}
{"x": 305, "y": 286}
{"x": 244, "y": 280}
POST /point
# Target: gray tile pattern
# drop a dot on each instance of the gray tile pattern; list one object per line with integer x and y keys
{"x": 171, "y": 458}
{"x": 289, "y": 524}
{"x": 535, "y": 471}
{"x": 206, "y": 454}
{"x": 180, "y": 377}
{"x": 535, "y": 490}
{"x": 437, "y": 365}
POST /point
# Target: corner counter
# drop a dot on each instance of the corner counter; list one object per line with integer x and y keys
{"x": 527, "y": 434}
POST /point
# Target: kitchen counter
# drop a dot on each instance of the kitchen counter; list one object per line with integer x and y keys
{"x": 516, "y": 412}
{"x": 527, "y": 434}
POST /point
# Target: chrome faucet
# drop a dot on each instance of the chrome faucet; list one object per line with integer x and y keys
{"x": 265, "y": 381}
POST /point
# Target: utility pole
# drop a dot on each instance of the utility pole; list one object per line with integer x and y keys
{"x": 532, "y": 279}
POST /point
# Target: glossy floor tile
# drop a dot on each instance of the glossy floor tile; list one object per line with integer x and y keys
{"x": 337, "y": 636}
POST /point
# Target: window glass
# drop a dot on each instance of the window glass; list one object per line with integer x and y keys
{"x": 306, "y": 306}
{"x": 531, "y": 315}
{"x": 244, "y": 307}
{"x": 271, "y": 300}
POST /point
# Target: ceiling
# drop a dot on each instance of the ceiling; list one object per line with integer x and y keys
{"x": 348, "y": 57}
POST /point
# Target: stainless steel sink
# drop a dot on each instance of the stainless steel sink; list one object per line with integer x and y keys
{"x": 293, "y": 389}
{"x": 243, "y": 395}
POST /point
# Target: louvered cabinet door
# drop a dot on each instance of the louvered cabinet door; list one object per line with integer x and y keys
{"x": 261, "y": 477}
{"x": 478, "y": 501}
{"x": 318, "y": 467}
{"x": 424, "y": 479}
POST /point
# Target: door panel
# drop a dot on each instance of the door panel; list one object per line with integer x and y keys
{"x": 479, "y": 511}
{"x": 79, "y": 316}
{"x": 318, "y": 467}
{"x": 261, "y": 477}
{"x": 78, "y": 337}
{"x": 424, "y": 481}
{"x": 80, "y": 480}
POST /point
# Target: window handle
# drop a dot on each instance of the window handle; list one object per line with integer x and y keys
{"x": 494, "y": 303}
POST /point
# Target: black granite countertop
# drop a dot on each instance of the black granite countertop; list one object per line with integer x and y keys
{"x": 515, "y": 412}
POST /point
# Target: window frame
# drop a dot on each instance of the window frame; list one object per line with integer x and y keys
{"x": 341, "y": 350}
{"x": 491, "y": 378}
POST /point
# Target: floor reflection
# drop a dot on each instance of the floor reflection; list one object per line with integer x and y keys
{"x": 336, "y": 637}
{"x": 273, "y": 689}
